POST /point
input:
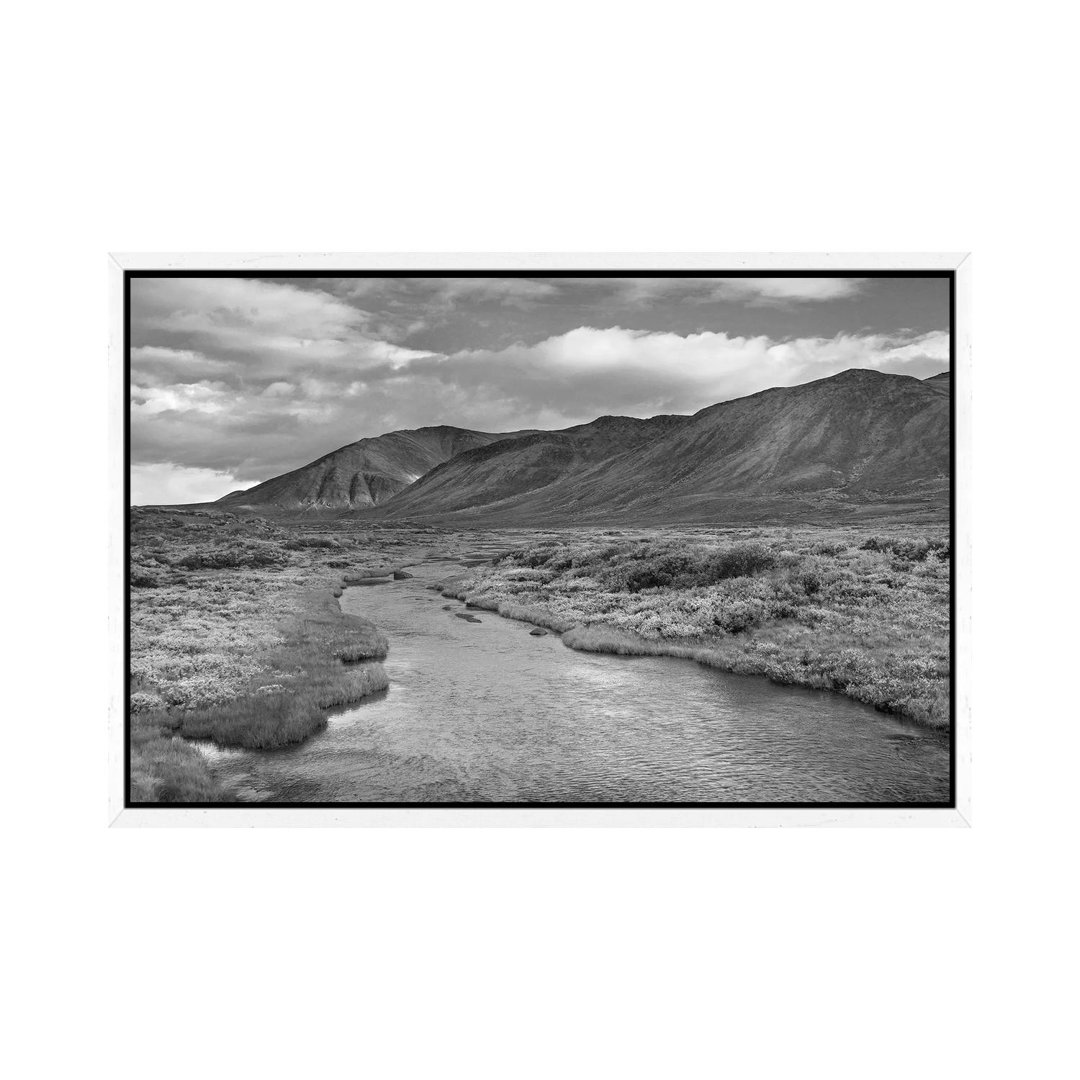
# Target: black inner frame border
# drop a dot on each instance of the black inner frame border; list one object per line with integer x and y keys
{"x": 129, "y": 275}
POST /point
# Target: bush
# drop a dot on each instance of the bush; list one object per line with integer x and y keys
{"x": 739, "y": 616}
{"x": 908, "y": 549}
{"x": 657, "y": 573}
{"x": 739, "y": 560}
{"x": 634, "y": 569}
{"x": 300, "y": 542}
{"x": 828, "y": 548}
{"x": 237, "y": 553}
{"x": 809, "y": 579}
{"x": 531, "y": 559}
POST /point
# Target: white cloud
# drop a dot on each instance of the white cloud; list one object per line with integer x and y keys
{"x": 207, "y": 397}
{"x": 590, "y": 370}
{"x": 279, "y": 390}
{"x": 254, "y": 330}
{"x": 155, "y": 365}
{"x": 213, "y": 305}
{"x": 164, "y": 484}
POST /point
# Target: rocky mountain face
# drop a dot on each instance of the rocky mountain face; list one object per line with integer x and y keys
{"x": 849, "y": 446}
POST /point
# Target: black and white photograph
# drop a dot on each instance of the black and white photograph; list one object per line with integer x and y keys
{"x": 540, "y": 538}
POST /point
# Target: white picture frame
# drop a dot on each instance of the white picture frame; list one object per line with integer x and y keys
{"x": 959, "y": 815}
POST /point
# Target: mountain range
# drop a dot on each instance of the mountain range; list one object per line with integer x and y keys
{"x": 854, "y": 445}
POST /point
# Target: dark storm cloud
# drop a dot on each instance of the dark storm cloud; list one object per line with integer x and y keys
{"x": 238, "y": 379}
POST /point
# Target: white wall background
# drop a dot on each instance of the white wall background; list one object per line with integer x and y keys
{"x": 562, "y": 126}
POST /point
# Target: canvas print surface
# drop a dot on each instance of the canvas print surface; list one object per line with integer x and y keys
{"x": 544, "y": 539}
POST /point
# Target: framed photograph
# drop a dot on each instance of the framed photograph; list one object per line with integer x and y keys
{"x": 540, "y": 540}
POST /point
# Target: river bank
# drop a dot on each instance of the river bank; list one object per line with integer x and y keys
{"x": 238, "y": 638}
{"x": 858, "y": 611}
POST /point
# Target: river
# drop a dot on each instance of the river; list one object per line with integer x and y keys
{"x": 481, "y": 711}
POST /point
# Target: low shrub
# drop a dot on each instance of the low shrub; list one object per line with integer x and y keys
{"x": 741, "y": 615}
{"x": 828, "y": 548}
{"x": 908, "y": 549}
{"x": 298, "y": 543}
{"x": 738, "y": 560}
{"x": 659, "y": 568}
{"x": 235, "y": 554}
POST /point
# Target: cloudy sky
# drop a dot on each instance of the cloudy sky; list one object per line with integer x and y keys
{"x": 235, "y": 380}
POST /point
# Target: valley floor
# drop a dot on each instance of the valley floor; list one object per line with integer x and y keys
{"x": 237, "y": 636}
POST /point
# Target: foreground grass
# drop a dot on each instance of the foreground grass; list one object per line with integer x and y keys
{"x": 237, "y": 637}
{"x": 861, "y": 612}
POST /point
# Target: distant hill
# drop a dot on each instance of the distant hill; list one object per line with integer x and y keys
{"x": 363, "y": 474}
{"x": 826, "y": 449}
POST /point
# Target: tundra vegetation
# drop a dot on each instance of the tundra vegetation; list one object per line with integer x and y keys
{"x": 861, "y": 611}
{"x": 237, "y": 638}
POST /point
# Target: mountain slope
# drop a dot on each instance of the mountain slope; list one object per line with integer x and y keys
{"x": 509, "y": 472}
{"x": 858, "y": 438}
{"x": 364, "y": 473}
{"x": 942, "y": 382}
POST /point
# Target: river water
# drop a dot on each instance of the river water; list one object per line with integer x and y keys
{"x": 482, "y": 711}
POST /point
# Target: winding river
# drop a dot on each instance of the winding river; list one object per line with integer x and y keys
{"x": 480, "y": 711}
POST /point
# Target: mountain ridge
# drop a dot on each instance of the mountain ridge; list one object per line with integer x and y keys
{"x": 834, "y": 446}
{"x": 858, "y": 437}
